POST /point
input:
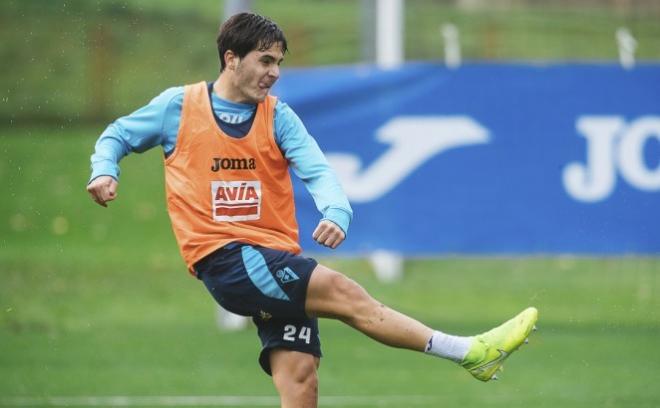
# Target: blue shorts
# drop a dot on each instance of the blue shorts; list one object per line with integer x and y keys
{"x": 268, "y": 285}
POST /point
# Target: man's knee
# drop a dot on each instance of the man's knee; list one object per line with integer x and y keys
{"x": 332, "y": 294}
{"x": 294, "y": 373}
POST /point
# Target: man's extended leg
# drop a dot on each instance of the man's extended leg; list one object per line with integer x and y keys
{"x": 294, "y": 376}
{"x": 331, "y": 294}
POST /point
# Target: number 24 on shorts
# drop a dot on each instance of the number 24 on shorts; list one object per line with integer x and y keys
{"x": 290, "y": 333}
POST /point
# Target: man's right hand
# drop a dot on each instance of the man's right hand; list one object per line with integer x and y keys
{"x": 103, "y": 189}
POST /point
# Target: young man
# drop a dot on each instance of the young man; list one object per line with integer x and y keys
{"x": 228, "y": 147}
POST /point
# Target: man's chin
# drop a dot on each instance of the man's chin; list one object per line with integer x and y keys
{"x": 253, "y": 99}
{"x": 256, "y": 97}
{"x": 261, "y": 96}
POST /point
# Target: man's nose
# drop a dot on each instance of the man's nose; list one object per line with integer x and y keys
{"x": 274, "y": 71}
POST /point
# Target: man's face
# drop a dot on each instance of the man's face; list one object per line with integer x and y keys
{"x": 256, "y": 73}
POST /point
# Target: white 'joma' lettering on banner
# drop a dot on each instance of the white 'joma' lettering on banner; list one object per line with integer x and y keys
{"x": 613, "y": 146}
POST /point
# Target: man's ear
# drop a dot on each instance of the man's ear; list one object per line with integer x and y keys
{"x": 231, "y": 60}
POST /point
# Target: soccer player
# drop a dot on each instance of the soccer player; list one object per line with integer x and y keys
{"x": 228, "y": 146}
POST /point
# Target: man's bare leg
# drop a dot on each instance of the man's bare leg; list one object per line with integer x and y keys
{"x": 294, "y": 376}
{"x": 333, "y": 295}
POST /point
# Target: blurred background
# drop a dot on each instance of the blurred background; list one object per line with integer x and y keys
{"x": 90, "y": 61}
{"x": 535, "y": 182}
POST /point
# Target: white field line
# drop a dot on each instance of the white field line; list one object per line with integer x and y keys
{"x": 211, "y": 400}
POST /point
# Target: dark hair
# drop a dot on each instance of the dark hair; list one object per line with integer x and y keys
{"x": 245, "y": 32}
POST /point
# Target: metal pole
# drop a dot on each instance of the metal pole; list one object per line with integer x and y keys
{"x": 389, "y": 33}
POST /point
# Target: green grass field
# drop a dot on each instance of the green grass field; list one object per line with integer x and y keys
{"x": 97, "y": 303}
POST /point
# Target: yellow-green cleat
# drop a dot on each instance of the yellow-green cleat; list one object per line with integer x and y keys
{"x": 490, "y": 349}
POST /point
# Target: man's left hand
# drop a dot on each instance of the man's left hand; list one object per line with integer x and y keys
{"x": 327, "y": 233}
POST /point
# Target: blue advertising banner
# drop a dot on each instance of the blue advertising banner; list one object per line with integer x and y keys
{"x": 487, "y": 159}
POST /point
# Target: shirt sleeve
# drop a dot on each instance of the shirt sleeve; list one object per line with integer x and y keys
{"x": 310, "y": 165}
{"x": 154, "y": 124}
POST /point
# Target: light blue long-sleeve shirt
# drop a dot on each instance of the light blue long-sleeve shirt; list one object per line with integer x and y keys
{"x": 158, "y": 124}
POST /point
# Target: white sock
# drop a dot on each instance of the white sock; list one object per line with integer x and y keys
{"x": 453, "y": 348}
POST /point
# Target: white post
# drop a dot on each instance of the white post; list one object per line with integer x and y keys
{"x": 627, "y": 46}
{"x": 229, "y": 321}
{"x": 389, "y": 33}
{"x": 452, "y": 43}
{"x": 387, "y": 265}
